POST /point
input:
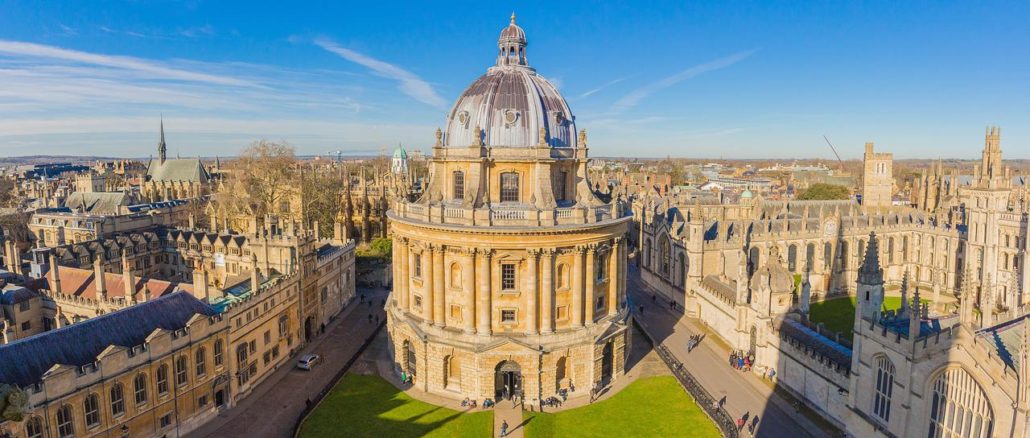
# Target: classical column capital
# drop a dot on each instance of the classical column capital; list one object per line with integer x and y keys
{"x": 534, "y": 252}
{"x": 549, "y": 251}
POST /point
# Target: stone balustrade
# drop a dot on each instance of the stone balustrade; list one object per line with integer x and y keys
{"x": 505, "y": 215}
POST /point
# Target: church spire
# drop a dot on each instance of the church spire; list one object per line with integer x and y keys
{"x": 162, "y": 149}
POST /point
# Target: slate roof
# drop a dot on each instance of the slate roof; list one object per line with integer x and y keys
{"x": 97, "y": 202}
{"x": 25, "y": 361}
{"x": 177, "y": 169}
{"x": 836, "y": 353}
{"x": 1006, "y": 339}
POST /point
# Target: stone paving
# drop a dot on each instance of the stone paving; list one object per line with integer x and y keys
{"x": 744, "y": 392}
{"x": 273, "y": 407}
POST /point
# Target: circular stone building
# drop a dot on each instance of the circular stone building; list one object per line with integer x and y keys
{"x": 509, "y": 272}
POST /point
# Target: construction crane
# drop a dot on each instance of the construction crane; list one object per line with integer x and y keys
{"x": 834, "y": 152}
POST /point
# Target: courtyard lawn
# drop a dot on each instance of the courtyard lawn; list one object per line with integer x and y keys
{"x": 650, "y": 407}
{"x": 838, "y": 314}
{"x": 368, "y": 406}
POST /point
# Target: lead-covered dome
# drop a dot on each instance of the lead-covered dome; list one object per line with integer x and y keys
{"x": 511, "y": 105}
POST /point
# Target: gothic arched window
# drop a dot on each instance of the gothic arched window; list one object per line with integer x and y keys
{"x": 884, "y": 388}
{"x": 959, "y": 407}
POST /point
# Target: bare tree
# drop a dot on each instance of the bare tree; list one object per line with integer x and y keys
{"x": 261, "y": 179}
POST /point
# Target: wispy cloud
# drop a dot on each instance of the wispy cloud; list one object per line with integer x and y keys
{"x": 602, "y": 87}
{"x": 634, "y": 97}
{"x": 193, "y": 32}
{"x": 156, "y": 70}
{"x": 408, "y": 82}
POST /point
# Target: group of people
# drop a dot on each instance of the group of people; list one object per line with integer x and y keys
{"x": 694, "y": 340}
{"x": 468, "y": 403}
{"x": 742, "y": 421}
{"x": 741, "y": 361}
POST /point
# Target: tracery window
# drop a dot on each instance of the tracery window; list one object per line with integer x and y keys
{"x": 884, "y": 388}
{"x": 959, "y": 407}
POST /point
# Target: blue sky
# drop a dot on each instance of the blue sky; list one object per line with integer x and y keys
{"x": 697, "y": 79}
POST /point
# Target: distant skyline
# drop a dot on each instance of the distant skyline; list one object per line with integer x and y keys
{"x": 734, "y": 80}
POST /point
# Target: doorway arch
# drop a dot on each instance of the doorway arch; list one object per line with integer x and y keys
{"x": 507, "y": 380}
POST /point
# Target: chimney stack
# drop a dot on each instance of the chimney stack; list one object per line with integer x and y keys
{"x": 55, "y": 276}
{"x": 100, "y": 278}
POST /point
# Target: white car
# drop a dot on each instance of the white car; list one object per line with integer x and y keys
{"x": 308, "y": 361}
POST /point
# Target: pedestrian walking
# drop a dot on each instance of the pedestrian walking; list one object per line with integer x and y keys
{"x": 654, "y": 298}
{"x": 504, "y": 428}
{"x": 369, "y": 318}
{"x": 641, "y": 309}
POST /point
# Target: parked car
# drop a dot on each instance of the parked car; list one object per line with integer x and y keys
{"x": 308, "y": 361}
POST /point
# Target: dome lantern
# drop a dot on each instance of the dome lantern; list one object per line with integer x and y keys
{"x": 512, "y": 45}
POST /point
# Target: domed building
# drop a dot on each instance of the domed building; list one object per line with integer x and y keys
{"x": 509, "y": 271}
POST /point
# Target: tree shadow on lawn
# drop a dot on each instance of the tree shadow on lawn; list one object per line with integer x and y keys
{"x": 368, "y": 406}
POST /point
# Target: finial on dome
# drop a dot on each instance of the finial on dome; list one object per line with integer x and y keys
{"x": 512, "y": 17}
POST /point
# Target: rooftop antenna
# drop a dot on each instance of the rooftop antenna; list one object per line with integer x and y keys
{"x": 834, "y": 153}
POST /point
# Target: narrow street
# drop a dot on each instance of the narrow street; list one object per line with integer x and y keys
{"x": 745, "y": 392}
{"x": 274, "y": 406}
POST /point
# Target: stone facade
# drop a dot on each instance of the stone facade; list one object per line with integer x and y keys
{"x": 917, "y": 371}
{"x": 509, "y": 270}
{"x": 877, "y": 178}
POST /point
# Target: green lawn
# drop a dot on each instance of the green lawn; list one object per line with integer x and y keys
{"x": 838, "y": 314}
{"x": 368, "y": 406}
{"x": 651, "y": 407}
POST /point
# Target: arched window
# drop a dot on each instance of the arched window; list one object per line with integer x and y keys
{"x": 181, "y": 374}
{"x": 647, "y": 252}
{"x": 455, "y": 276}
{"x": 162, "y": 379}
{"x": 682, "y": 264}
{"x": 560, "y": 372}
{"x": 665, "y": 256}
{"x": 792, "y": 258}
{"x": 452, "y": 372}
{"x": 34, "y": 428}
{"x": 117, "y": 400}
{"x": 458, "y": 184}
{"x": 65, "y": 427}
{"x": 600, "y": 270}
{"x": 809, "y": 257}
{"x": 139, "y": 386}
{"x": 409, "y": 358}
{"x": 201, "y": 361}
{"x": 959, "y": 407}
{"x": 890, "y": 250}
{"x": 827, "y": 255}
{"x": 91, "y": 406}
{"x": 904, "y": 248}
{"x": 509, "y": 187}
{"x": 563, "y": 276}
{"x": 219, "y": 348}
{"x": 884, "y": 388}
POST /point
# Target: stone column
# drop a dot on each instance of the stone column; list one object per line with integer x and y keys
{"x": 401, "y": 281}
{"x": 577, "y": 286}
{"x": 590, "y": 281}
{"x": 615, "y": 276}
{"x": 407, "y": 281}
{"x": 468, "y": 287}
{"x": 547, "y": 292}
{"x": 439, "y": 312}
{"x": 531, "y": 291}
{"x": 427, "y": 284}
{"x": 483, "y": 293}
